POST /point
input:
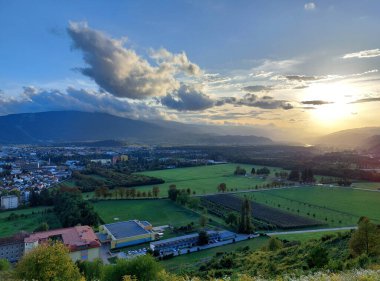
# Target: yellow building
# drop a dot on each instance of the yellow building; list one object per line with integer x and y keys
{"x": 127, "y": 233}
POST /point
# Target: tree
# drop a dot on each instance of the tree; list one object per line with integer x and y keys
{"x": 366, "y": 239}
{"x": 203, "y": 220}
{"x": 42, "y": 227}
{"x": 222, "y": 187}
{"x": 318, "y": 257}
{"x": 231, "y": 218}
{"x": 48, "y": 262}
{"x": 91, "y": 270}
{"x": 263, "y": 171}
{"x": 239, "y": 171}
{"x": 142, "y": 268}
{"x": 294, "y": 175}
{"x": 203, "y": 238}
{"x": 307, "y": 175}
{"x": 253, "y": 171}
{"x": 183, "y": 197}
{"x": 274, "y": 244}
{"x": 155, "y": 191}
{"x": 173, "y": 192}
{"x": 4, "y": 265}
{"x": 245, "y": 223}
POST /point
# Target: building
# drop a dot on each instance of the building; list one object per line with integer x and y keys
{"x": 9, "y": 202}
{"x": 81, "y": 241}
{"x": 127, "y": 233}
{"x": 190, "y": 240}
{"x": 12, "y": 248}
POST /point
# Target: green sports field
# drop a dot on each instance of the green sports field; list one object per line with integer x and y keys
{"x": 157, "y": 212}
{"x": 340, "y": 206}
{"x": 205, "y": 179}
{"x": 26, "y": 220}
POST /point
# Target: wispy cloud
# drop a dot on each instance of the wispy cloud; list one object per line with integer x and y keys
{"x": 373, "y": 99}
{"x": 363, "y": 54}
{"x": 310, "y": 6}
{"x": 316, "y": 102}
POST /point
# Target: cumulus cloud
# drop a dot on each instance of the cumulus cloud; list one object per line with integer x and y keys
{"x": 187, "y": 98}
{"x": 363, "y": 54}
{"x": 310, "y": 6}
{"x": 257, "y": 88}
{"x": 315, "y": 102}
{"x": 121, "y": 71}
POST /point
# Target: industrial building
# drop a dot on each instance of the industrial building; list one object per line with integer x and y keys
{"x": 82, "y": 242}
{"x": 188, "y": 241}
{"x": 127, "y": 233}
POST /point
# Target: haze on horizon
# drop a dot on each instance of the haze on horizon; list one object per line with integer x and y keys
{"x": 300, "y": 68}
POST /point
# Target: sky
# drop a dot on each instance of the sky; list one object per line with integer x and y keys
{"x": 297, "y": 67}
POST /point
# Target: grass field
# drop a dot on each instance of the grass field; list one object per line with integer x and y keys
{"x": 306, "y": 236}
{"x": 205, "y": 179}
{"x": 194, "y": 260}
{"x": 367, "y": 185}
{"x": 341, "y": 206}
{"x": 157, "y": 212}
{"x": 28, "y": 221}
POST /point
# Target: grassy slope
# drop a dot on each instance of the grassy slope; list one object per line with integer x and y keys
{"x": 157, "y": 212}
{"x": 205, "y": 179}
{"x": 28, "y": 223}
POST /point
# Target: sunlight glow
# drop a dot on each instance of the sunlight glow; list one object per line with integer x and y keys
{"x": 339, "y": 95}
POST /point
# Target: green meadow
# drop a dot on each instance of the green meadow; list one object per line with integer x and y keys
{"x": 26, "y": 220}
{"x": 205, "y": 179}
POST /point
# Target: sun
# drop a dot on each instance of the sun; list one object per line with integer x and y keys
{"x": 337, "y": 109}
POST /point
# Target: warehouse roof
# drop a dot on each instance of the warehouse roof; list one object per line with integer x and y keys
{"x": 126, "y": 229}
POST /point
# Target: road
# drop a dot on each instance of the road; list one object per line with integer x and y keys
{"x": 311, "y": 230}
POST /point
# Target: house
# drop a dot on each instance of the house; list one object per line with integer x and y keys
{"x": 9, "y": 202}
{"x": 12, "y": 248}
{"x": 82, "y": 242}
{"x": 127, "y": 233}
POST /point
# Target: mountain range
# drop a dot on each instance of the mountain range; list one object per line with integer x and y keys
{"x": 75, "y": 126}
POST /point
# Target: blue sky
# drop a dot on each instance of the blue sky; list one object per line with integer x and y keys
{"x": 237, "y": 43}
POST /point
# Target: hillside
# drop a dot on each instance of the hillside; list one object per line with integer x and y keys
{"x": 351, "y": 138}
{"x": 74, "y": 126}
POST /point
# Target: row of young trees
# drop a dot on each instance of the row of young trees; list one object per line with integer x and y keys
{"x": 124, "y": 193}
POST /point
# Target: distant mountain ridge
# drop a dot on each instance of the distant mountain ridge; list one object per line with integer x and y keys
{"x": 76, "y": 126}
{"x": 351, "y": 138}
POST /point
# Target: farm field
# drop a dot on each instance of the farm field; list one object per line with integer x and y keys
{"x": 224, "y": 203}
{"x": 194, "y": 260}
{"x": 205, "y": 179}
{"x": 367, "y": 185}
{"x": 157, "y": 212}
{"x": 341, "y": 206}
{"x": 27, "y": 220}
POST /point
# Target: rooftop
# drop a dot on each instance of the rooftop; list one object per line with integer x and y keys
{"x": 126, "y": 228}
{"x": 77, "y": 237}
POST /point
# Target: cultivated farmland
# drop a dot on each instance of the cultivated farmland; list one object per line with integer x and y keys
{"x": 261, "y": 212}
{"x": 336, "y": 206}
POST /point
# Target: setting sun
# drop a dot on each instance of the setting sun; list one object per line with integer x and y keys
{"x": 334, "y": 101}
